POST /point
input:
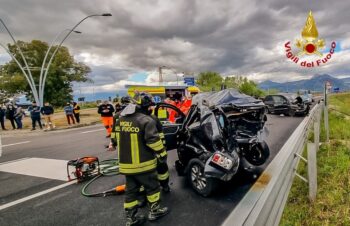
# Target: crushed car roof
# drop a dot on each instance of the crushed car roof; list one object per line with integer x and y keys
{"x": 225, "y": 97}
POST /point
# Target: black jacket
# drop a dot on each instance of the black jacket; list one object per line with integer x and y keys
{"x": 106, "y": 110}
{"x": 10, "y": 113}
{"x": 138, "y": 143}
{"x": 47, "y": 110}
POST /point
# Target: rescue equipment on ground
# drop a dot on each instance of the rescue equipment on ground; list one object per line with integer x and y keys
{"x": 89, "y": 168}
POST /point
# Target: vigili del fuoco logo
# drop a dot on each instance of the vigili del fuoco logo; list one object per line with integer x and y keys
{"x": 309, "y": 45}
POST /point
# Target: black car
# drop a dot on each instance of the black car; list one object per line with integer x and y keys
{"x": 287, "y": 104}
{"x": 220, "y": 135}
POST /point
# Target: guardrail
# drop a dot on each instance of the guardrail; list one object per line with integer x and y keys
{"x": 264, "y": 202}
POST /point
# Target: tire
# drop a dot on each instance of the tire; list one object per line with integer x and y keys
{"x": 258, "y": 154}
{"x": 291, "y": 113}
{"x": 199, "y": 182}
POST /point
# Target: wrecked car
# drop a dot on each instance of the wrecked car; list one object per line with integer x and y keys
{"x": 221, "y": 134}
{"x": 287, "y": 103}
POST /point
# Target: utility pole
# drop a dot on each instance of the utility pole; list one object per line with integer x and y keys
{"x": 160, "y": 75}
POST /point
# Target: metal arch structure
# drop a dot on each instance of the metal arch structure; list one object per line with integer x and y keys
{"x": 39, "y": 96}
{"x": 28, "y": 76}
{"x": 43, "y": 79}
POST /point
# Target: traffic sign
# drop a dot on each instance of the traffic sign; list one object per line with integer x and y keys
{"x": 189, "y": 81}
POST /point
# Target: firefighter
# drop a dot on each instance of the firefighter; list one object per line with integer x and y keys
{"x": 106, "y": 110}
{"x": 162, "y": 166}
{"x": 139, "y": 147}
{"x": 124, "y": 101}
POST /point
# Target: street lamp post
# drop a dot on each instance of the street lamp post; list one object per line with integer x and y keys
{"x": 177, "y": 79}
{"x": 54, "y": 53}
{"x": 44, "y": 61}
{"x": 28, "y": 76}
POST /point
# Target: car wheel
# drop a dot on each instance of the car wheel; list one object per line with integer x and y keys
{"x": 257, "y": 154}
{"x": 199, "y": 182}
{"x": 291, "y": 113}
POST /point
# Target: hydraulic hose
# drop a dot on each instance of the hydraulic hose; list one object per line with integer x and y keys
{"x": 109, "y": 167}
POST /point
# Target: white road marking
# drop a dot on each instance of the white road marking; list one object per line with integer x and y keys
{"x": 91, "y": 131}
{"x": 7, "y": 205}
{"x": 38, "y": 167}
{"x": 2, "y": 163}
{"x": 24, "y": 142}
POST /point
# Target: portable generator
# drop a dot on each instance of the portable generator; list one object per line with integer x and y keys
{"x": 83, "y": 168}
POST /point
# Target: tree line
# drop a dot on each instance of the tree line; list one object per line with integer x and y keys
{"x": 213, "y": 81}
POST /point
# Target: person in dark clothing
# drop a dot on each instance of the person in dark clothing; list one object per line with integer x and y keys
{"x": 18, "y": 117}
{"x": 139, "y": 146}
{"x": 35, "y": 115}
{"x": 47, "y": 111}
{"x": 106, "y": 111}
{"x": 124, "y": 101}
{"x": 68, "y": 109}
{"x": 10, "y": 115}
{"x": 162, "y": 166}
{"x": 76, "y": 111}
{"x": 2, "y": 117}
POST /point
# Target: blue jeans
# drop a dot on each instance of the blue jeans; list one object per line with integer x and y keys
{"x": 19, "y": 122}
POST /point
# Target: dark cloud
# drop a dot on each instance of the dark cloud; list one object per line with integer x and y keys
{"x": 232, "y": 37}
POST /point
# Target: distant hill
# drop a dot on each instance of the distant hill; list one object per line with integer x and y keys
{"x": 316, "y": 83}
{"x": 100, "y": 95}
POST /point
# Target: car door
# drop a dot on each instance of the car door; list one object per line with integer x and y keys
{"x": 268, "y": 101}
{"x": 170, "y": 127}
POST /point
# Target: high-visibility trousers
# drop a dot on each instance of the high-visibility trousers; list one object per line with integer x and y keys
{"x": 108, "y": 123}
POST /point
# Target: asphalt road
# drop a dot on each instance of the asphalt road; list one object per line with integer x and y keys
{"x": 67, "y": 206}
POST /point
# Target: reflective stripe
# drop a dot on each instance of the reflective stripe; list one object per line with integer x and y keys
{"x": 135, "y": 154}
{"x": 162, "y": 154}
{"x": 163, "y": 176}
{"x": 162, "y": 114}
{"x": 153, "y": 198}
{"x": 129, "y": 205}
{"x": 157, "y": 146}
{"x": 142, "y": 188}
{"x": 137, "y": 168}
{"x": 113, "y": 136}
{"x": 118, "y": 144}
{"x": 161, "y": 135}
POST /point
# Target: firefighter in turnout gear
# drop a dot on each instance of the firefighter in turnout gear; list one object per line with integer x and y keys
{"x": 139, "y": 145}
{"x": 162, "y": 165}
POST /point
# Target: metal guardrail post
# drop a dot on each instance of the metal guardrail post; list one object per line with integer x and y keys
{"x": 317, "y": 129}
{"x": 312, "y": 170}
{"x": 0, "y": 146}
{"x": 326, "y": 125}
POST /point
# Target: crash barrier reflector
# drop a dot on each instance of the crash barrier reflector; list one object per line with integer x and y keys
{"x": 265, "y": 201}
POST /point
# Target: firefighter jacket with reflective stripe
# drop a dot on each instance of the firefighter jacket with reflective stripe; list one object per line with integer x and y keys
{"x": 138, "y": 143}
{"x": 159, "y": 128}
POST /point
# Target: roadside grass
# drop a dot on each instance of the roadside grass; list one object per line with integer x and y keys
{"x": 341, "y": 102}
{"x": 332, "y": 204}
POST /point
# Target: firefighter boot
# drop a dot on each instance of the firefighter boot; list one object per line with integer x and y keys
{"x": 156, "y": 211}
{"x": 165, "y": 186}
{"x": 133, "y": 219}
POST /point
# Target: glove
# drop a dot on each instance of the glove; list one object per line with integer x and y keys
{"x": 162, "y": 157}
{"x": 111, "y": 147}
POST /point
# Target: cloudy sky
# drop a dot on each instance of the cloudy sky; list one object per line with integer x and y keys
{"x": 232, "y": 37}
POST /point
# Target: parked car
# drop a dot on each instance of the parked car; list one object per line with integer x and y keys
{"x": 220, "y": 135}
{"x": 287, "y": 104}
